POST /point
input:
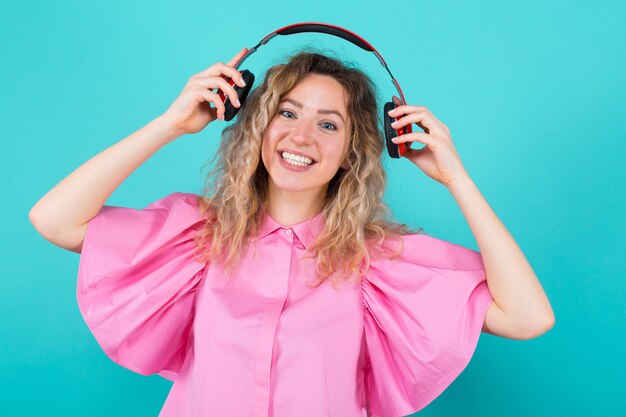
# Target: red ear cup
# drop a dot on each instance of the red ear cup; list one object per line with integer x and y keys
{"x": 395, "y": 150}
{"x": 242, "y": 93}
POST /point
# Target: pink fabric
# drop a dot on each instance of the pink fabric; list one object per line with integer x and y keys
{"x": 264, "y": 344}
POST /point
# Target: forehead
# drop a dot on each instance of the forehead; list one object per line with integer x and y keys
{"x": 319, "y": 89}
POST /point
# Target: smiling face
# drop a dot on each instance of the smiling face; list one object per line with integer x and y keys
{"x": 311, "y": 120}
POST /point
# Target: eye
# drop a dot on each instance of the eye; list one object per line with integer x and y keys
{"x": 330, "y": 124}
{"x": 283, "y": 112}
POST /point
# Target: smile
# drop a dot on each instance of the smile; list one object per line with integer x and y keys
{"x": 295, "y": 164}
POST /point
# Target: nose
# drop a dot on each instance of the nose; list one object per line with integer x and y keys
{"x": 302, "y": 132}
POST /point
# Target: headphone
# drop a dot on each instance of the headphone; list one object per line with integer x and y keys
{"x": 395, "y": 150}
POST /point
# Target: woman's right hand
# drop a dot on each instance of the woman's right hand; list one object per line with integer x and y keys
{"x": 192, "y": 111}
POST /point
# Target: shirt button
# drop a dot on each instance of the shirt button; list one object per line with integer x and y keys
{"x": 288, "y": 231}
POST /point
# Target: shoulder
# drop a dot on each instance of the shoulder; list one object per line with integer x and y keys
{"x": 177, "y": 198}
{"x": 427, "y": 250}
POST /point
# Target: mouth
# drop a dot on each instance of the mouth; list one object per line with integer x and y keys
{"x": 280, "y": 155}
{"x": 294, "y": 165}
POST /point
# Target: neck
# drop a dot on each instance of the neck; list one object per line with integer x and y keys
{"x": 290, "y": 208}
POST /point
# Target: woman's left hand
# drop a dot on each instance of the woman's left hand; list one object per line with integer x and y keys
{"x": 439, "y": 158}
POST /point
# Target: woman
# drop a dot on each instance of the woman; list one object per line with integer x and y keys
{"x": 283, "y": 290}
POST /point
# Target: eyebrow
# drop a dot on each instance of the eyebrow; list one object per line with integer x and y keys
{"x": 320, "y": 111}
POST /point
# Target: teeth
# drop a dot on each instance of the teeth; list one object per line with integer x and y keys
{"x": 296, "y": 159}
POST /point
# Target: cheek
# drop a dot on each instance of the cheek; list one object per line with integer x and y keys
{"x": 266, "y": 151}
{"x": 273, "y": 135}
{"x": 335, "y": 153}
{"x": 268, "y": 147}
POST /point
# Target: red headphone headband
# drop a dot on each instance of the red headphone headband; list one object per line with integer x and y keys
{"x": 330, "y": 30}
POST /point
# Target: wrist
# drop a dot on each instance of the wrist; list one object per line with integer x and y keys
{"x": 168, "y": 128}
{"x": 461, "y": 183}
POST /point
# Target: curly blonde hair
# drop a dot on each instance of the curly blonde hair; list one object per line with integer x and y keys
{"x": 355, "y": 215}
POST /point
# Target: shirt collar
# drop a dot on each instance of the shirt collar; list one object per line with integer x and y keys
{"x": 307, "y": 230}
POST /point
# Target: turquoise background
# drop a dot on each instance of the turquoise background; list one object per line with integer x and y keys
{"x": 534, "y": 94}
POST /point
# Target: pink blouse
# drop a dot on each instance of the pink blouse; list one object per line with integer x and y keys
{"x": 264, "y": 344}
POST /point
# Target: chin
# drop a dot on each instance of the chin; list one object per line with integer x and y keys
{"x": 293, "y": 187}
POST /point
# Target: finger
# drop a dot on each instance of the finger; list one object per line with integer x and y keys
{"x": 232, "y": 73}
{"x": 237, "y": 57}
{"x": 423, "y": 118}
{"x": 424, "y": 138}
{"x": 412, "y": 153}
{"x": 222, "y": 84}
{"x": 211, "y": 97}
{"x": 224, "y": 71}
{"x": 220, "y": 69}
{"x": 228, "y": 90}
{"x": 238, "y": 79}
{"x": 406, "y": 109}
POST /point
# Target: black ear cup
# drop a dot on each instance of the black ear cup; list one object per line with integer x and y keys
{"x": 242, "y": 93}
{"x": 395, "y": 150}
{"x": 390, "y": 132}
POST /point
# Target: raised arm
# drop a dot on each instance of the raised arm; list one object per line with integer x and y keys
{"x": 61, "y": 215}
{"x": 521, "y": 309}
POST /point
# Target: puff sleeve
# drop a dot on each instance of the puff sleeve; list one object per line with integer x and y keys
{"x": 423, "y": 315}
{"x": 137, "y": 281}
